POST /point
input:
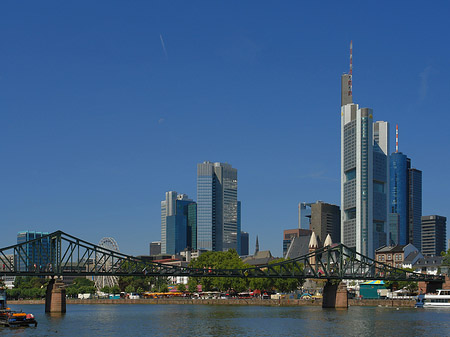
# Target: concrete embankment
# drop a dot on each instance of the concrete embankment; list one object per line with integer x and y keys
{"x": 282, "y": 302}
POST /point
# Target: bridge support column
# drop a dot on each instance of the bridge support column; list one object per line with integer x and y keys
{"x": 335, "y": 296}
{"x": 55, "y": 297}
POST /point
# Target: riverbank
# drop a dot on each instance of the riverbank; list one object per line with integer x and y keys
{"x": 256, "y": 302}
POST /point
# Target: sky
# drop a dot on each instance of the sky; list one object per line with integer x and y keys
{"x": 107, "y": 105}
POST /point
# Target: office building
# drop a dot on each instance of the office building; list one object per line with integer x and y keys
{"x": 415, "y": 206}
{"x": 290, "y": 234}
{"x": 364, "y": 175}
{"x": 192, "y": 226}
{"x": 174, "y": 222}
{"x": 405, "y": 200}
{"x": 326, "y": 219}
{"x": 217, "y": 207}
{"x": 434, "y": 233}
{"x": 304, "y": 215}
{"x": 155, "y": 248}
{"x": 244, "y": 244}
{"x": 34, "y": 256}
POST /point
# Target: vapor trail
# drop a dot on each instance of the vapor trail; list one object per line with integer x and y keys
{"x": 163, "y": 45}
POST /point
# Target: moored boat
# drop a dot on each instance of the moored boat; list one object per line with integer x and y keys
{"x": 12, "y": 318}
{"x": 439, "y": 300}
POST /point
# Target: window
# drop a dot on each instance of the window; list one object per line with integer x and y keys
{"x": 389, "y": 257}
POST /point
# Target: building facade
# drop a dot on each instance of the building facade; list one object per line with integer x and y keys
{"x": 155, "y": 248}
{"x": 290, "y": 234}
{"x": 434, "y": 233}
{"x": 326, "y": 219}
{"x": 304, "y": 215}
{"x": 217, "y": 207}
{"x": 244, "y": 244}
{"x": 34, "y": 256}
{"x": 174, "y": 222}
{"x": 415, "y": 206}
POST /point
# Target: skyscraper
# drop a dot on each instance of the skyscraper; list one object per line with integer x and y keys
{"x": 405, "y": 200}
{"x": 34, "y": 256}
{"x": 433, "y": 234}
{"x": 174, "y": 222}
{"x": 217, "y": 207}
{"x": 304, "y": 215}
{"x": 326, "y": 219}
{"x": 364, "y": 174}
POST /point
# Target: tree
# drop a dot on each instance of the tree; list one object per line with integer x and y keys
{"x": 106, "y": 289}
{"x": 181, "y": 287}
{"x": 129, "y": 289}
{"x": 192, "y": 285}
{"x": 446, "y": 259}
{"x": 219, "y": 260}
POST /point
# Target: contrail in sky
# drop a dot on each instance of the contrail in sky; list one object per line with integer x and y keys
{"x": 163, "y": 45}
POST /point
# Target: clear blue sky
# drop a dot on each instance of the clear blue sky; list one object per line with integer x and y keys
{"x": 98, "y": 121}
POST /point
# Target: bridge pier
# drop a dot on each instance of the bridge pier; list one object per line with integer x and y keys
{"x": 55, "y": 297}
{"x": 432, "y": 286}
{"x": 335, "y": 295}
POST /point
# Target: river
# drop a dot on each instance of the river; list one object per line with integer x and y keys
{"x": 224, "y": 320}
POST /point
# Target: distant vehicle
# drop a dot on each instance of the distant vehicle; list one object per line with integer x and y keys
{"x": 84, "y": 296}
{"x": 133, "y": 296}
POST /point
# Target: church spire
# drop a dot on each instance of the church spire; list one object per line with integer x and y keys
{"x": 257, "y": 245}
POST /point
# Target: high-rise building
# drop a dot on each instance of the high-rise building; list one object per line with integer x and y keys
{"x": 434, "y": 232}
{"x": 34, "y": 256}
{"x": 192, "y": 226}
{"x": 304, "y": 215}
{"x": 244, "y": 244}
{"x": 399, "y": 165}
{"x": 217, "y": 207}
{"x": 364, "y": 175}
{"x": 175, "y": 225}
{"x": 415, "y": 206}
{"x": 405, "y": 200}
{"x": 155, "y": 248}
{"x": 326, "y": 219}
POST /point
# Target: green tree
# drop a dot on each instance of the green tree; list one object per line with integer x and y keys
{"x": 115, "y": 290}
{"x": 220, "y": 260}
{"x": 139, "y": 290}
{"x": 181, "y": 287}
{"x": 106, "y": 290}
{"x": 446, "y": 259}
{"x": 129, "y": 289}
{"x": 192, "y": 285}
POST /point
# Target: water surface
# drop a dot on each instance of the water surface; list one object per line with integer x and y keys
{"x": 221, "y": 320}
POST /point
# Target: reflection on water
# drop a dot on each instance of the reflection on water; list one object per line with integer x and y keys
{"x": 210, "y": 320}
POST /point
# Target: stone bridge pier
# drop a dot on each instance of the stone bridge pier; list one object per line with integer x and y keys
{"x": 335, "y": 295}
{"x": 432, "y": 286}
{"x": 55, "y": 297}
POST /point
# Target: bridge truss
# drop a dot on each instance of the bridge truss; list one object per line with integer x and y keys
{"x": 61, "y": 254}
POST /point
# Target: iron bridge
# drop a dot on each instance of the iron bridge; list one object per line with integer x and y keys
{"x": 60, "y": 254}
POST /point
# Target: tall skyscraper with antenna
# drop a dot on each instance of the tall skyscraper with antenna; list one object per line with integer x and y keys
{"x": 364, "y": 173}
{"x": 405, "y": 203}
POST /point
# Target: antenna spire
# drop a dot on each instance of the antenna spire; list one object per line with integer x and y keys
{"x": 396, "y": 137}
{"x": 350, "y": 86}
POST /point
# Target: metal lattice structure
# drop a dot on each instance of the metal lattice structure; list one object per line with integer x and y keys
{"x": 71, "y": 256}
{"x": 110, "y": 280}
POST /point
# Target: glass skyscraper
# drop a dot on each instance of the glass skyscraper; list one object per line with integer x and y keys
{"x": 405, "y": 200}
{"x": 176, "y": 229}
{"x": 399, "y": 165}
{"x": 217, "y": 207}
{"x": 35, "y": 255}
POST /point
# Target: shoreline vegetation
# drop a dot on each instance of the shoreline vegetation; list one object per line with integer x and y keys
{"x": 256, "y": 302}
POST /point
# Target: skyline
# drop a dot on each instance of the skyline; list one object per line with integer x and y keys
{"x": 105, "y": 110}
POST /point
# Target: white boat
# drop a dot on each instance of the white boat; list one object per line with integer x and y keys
{"x": 441, "y": 300}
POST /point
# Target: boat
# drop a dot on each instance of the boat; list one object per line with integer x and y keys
{"x": 439, "y": 300}
{"x": 11, "y": 318}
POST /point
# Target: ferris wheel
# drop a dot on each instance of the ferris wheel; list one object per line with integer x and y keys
{"x": 105, "y": 262}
